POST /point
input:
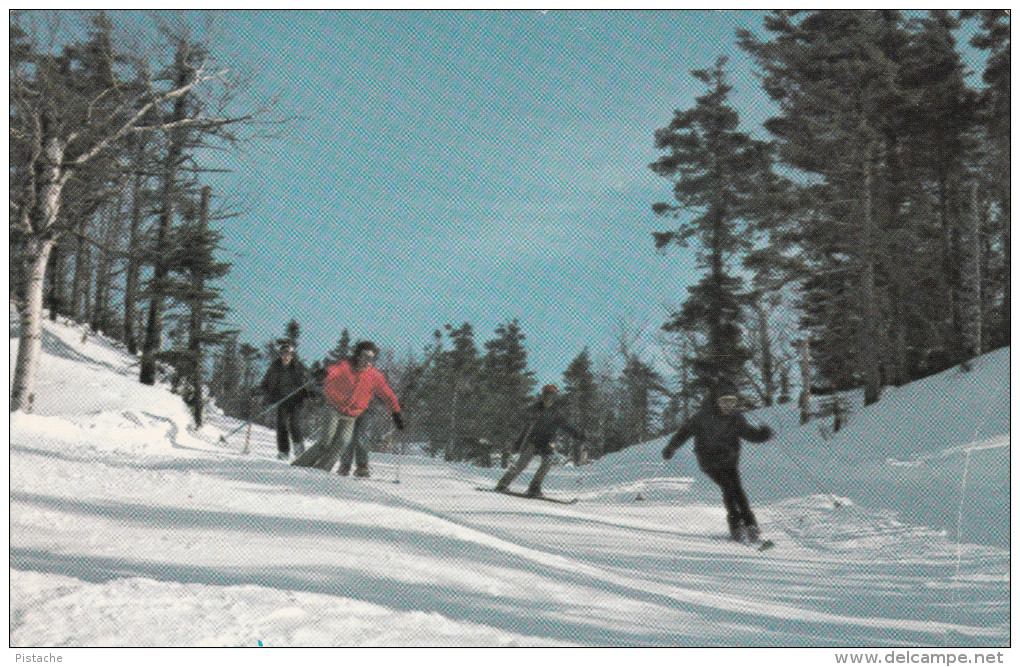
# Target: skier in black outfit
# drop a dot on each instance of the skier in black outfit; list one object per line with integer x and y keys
{"x": 285, "y": 376}
{"x": 717, "y": 429}
{"x": 544, "y": 421}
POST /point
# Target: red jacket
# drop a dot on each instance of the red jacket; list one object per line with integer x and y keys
{"x": 349, "y": 393}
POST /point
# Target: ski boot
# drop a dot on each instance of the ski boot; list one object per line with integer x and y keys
{"x": 282, "y": 456}
{"x": 737, "y": 532}
{"x": 533, "y": 492}
{"x": 753, "y": 533}
{"x": 344, "y": 470}
{"x": 361, "y": 472}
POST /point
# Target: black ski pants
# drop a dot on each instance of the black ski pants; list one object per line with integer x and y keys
{"x": 288, "y": 429}
{"x": 738, "y": 509}
{"x": 528, "y": 452}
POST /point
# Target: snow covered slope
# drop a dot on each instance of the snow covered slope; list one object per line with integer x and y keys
{"x": 130, "y": 528}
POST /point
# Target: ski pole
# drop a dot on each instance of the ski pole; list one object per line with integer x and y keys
{"x": 223, "y": 438}
{"x": 247, "y": 439}
{"x": 396, "y": 474}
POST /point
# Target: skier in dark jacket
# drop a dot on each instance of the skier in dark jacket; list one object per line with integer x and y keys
{"x": 718, "y": 429}
{"x": 285, "y": 376}
{"x": 544, "y": 422}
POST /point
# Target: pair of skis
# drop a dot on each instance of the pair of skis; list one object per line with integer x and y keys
{"x": 763, "y": 545}
{"x": 518, "y": 494}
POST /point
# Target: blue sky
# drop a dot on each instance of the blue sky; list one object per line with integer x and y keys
{"x": 466, "y": 166}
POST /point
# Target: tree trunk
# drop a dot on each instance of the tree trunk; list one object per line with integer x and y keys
{"x": 30, "y": 326}
{"x": 1007, "y": 276}
{"x": 131, "y": 274}
{"x": 804, "y": 400}
{"x": 685, "y": 380}
{"x": 868, "y": 331}
{"x": 899, "y": 324}
{"x": 767, "y": 372}
{"x": 195, "y": 322}
{"x": 38, "y": 247}
{"x": 971, "y": 293}
{"x": 178, "y": 136}
{"x": 134, "y": 260}
{"x": 157, "y": 285}
{"x": 55, "y": 296}
{"x": 82, "y": 279}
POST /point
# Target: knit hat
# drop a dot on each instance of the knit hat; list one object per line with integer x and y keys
{"x": 550, "y": 389}
{"x": 364, "y": 346}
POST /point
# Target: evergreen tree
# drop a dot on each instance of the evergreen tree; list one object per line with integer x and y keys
{"x": 226, "y": 376}
{"x": 187, "y": 59}
{"x": 193, "y": 268}
{"x": 641, "y": 385}
{"x": 580, "y": 396}
{"x": 834, "y": 75}
{"x": 293, "y": 332}
{"x": 249, "y": 378}
{"x": 994, "y": 115}
{"x": 929, "y": 224}
{"x": 342, "y": 349}
{"x": 506, "y": 384}
{"x": 719, "y": 175}
{"x": 461, "y": 367}
{"x": 450, "y": 393}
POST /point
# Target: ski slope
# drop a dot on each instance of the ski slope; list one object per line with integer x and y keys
{"x": 128, "y": 528}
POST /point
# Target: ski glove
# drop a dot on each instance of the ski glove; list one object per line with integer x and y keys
{"x": 398, "y": 421}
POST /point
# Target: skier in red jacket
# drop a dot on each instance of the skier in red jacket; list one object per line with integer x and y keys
{"x": 348, "y": 387}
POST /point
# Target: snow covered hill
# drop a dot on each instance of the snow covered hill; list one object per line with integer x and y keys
{"x": 130, "y": 528}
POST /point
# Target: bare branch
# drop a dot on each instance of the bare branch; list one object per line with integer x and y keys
{"x": 201, "y": 121}
{"x": 127, "y": 125}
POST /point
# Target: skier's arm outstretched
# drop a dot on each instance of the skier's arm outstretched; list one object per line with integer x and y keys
{"x": 752, "y": 433}
{"x": 679, "y": 438}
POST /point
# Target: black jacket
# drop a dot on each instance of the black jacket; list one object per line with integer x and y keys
{"x": 279, "y": 381}
{"x": 542, "y": 426}
{"x": 716, "y": 438}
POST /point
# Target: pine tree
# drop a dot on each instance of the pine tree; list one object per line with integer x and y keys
{"x": 249, "y": 377}
{"x": 641, "y": 385}
{"x": 187, "y": 57}
{"x": 293, "y": 332}
{"x": 940, "y": 153}
{"x": 994, "y": 115}
{"x": 834, "y": 75}
{"x": 506, "y": 384}
{"x": 193, "y": 268}
{"x": 462, "y": 366}
{"x": 719, "y": 175}
{"x": 580, "y": 397}
{"x": 342, "y": 349}
{"x": 226, "y": 376}
{"x": 450, "y": 394}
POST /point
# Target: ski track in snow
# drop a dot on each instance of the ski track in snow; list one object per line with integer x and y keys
{"x": 131, "y": 528}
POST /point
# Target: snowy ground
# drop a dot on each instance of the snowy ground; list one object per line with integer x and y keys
{"x": 130, "y": 529}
